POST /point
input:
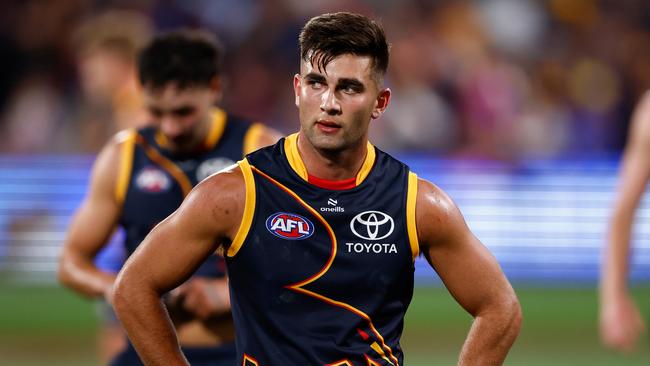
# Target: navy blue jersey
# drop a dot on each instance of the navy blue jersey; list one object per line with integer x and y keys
{"x": 321, "y": 276}
{"x": 153, "y": 181}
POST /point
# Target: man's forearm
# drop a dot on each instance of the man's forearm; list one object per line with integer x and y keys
{"x": 147, "y": 323}
{"x": 85, "y": 278}
{"x": 491, "y": 337}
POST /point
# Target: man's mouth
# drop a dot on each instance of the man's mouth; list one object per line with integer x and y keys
{"x": 328, "y": 126}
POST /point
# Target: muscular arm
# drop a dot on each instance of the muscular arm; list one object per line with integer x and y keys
{"x": 472, "y": 276}
{"x": 174, "y": 249}
{"x": 620, "y": 319}
{"x": 91, "y": 228}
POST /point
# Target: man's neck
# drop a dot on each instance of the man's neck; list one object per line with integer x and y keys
{"x": 332, "y": 165}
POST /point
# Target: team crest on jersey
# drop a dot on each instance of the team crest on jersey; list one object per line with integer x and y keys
{"x": 152, "y": 180}
{"x": 211, "y": 166}
{"x": 289, "y": 226}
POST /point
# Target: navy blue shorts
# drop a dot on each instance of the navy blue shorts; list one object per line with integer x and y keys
{"x": 223, "y": 355}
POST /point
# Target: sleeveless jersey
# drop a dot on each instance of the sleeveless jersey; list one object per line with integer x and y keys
{"x": 320, "y": 276}
{"x": 153, "y": 182}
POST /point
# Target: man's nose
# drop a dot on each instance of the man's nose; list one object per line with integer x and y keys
{"x": 329, "y": 103}
{"x": 170, "y": 127}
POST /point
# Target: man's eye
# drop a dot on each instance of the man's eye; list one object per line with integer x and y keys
{"x": 315, "y": 84}
{"x": 184, "y": 112}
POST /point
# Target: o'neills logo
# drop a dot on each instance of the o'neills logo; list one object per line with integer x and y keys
{"x": 332, "y": 209}
{"x": 289, "y": 226}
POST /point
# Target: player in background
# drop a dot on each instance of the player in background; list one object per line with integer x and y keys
{"x": 621, "y": 323}
{"x": 106, "y": 48}
{"x": 142, "y": 175}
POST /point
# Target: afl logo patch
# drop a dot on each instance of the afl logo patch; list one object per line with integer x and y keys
{"x": 372, "y": 225}
{"x": 152, "y": 180}
{"x": 289, "y": 226}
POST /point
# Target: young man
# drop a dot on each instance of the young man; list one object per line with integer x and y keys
{"x": 143, "y": 175}
{"x": 620, "y": 320}
{"x": 321, "y": 232}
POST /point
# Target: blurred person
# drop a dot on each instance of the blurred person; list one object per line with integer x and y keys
{"x": 106, "y": 49}
{"x": 321, "y": 232}
{"x": 620, "y": 320}
{"x": 142, "y": 175}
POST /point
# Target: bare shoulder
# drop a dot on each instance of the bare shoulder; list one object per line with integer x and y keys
{"x": 433, "y": 202}
{"x": 220, "y": 199}
{"x": 110, "y": 160}
{"x": 437, "y": 216}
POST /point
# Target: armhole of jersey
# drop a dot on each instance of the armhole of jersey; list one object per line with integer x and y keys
{"x": 126, "y": 165}
{"x": 411, "y": 199}
{"x": 252, "y": 137}
{"x": 249, "y": 209}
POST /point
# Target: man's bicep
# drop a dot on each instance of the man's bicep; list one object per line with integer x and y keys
{"x": 96, "y": 218}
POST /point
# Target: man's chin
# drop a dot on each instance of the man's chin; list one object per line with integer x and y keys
{"x": 327, "y": 143}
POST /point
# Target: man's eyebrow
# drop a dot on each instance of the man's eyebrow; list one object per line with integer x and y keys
{"x": 314, "y": 77}
{"x": 351, "y": 82}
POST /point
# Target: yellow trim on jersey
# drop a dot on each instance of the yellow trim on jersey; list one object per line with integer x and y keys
{"x": 168, "y": 165}
{"x": 252, "y": 137}
{"x": 368, "y": 163}
{"x": 248, "y": 359}
{"x": 249, "y": 209}
{"x": 340, "y": 363}
{"x": 370, "y": 361}
{"x": 411, "y": 199}
{"x": 293, "y": 156}
{"x": 160, "y": 139}
{"x": 380, "y": 351}
{"x": 216, "y": 128}
{"x": 127, "y": 139}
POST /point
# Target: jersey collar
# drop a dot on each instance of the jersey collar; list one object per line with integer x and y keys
{"x": 298, "y": 166}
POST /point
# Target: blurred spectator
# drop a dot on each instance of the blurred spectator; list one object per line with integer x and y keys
{"x": 503, "y": 79}
{"x": 105, "y": 49}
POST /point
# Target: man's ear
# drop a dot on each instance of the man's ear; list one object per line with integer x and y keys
{"x": 382, "y": 103}
{"x": 297, "y": 81}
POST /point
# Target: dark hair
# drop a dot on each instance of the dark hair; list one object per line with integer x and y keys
{"x": 185, "y": 57}
{"x": 328, "y": 36}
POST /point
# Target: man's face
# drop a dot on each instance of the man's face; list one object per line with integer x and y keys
{"x": 181, "y": 115}
{"x": 336, "y": 105}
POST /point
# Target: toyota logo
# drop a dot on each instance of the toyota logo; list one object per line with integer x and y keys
{"x": 372, "y": 225}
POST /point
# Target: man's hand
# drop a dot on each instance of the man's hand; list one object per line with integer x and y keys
{"x": 203, "y": 297}
{"x": 621, "y": 323}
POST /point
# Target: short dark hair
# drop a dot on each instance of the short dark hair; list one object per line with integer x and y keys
{"x": 328, "y": 36}
{"x": 184, "y": 57}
